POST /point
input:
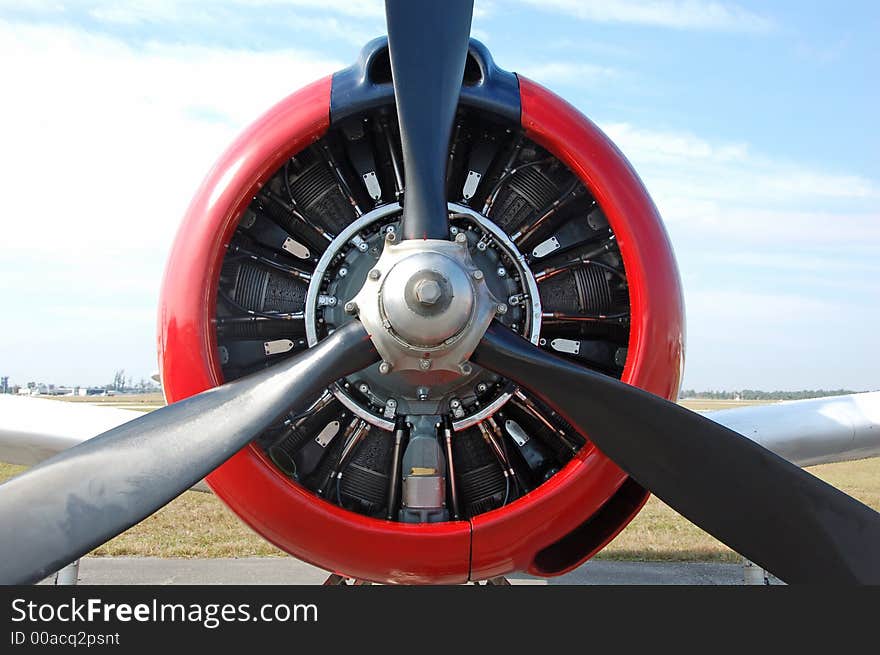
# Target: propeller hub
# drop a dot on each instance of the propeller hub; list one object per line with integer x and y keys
{"x": 427, "y": 298}
{"x": 426, "y": 305}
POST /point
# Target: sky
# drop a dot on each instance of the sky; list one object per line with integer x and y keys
{"x": 752, "y": 124}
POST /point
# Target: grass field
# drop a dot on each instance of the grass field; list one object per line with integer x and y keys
{"x": 142, "y": 402}
{"x": 199, "y": 525}
{"x": 707, "y": 404}
{"x": 146, "y": 399}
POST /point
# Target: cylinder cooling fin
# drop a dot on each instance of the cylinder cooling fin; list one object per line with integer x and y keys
{"x": 422, "y": 476}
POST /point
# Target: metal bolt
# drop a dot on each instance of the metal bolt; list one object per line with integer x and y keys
{"x": 422, "y": 393}
{"x": 482, "y": 387}
{"x": 390, "y": 236}
{"x": 501, "y": 308}
{"x": 453, "y": 230}
{"x": 455, "y": 403}
{"x": 351, "y": 307}
{"x": 428, "y": 292}
{"x": 461, "y": 237}
{"x": 386, "y": 324}
{"x": 391, "y": 402}
{"x": 385, "y": 368}
{"x": 363, "y": 387}
{"x": 481, "y": 245}
{"x": 465, "y": 368}
{"x": 424, "y": 364}
{"x": 501, "y": 271}
{"x": 343, "y": 272}
{"x": 478, "y": 275}
{"x": 375, "y": 274}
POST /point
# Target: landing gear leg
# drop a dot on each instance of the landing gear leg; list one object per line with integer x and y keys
{"x": 336, "y": 579}
{"x": 499, "y": 581}
{"x": 754, "y": 574}
{"x": 69, "y": 575}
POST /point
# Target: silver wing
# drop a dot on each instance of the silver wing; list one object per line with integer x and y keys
{"x": 805, "y": 432}
{"x": 34, "y": 429}
{"x": 815, "y": 431}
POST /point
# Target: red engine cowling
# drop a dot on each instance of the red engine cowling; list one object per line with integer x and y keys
{"x": 554, "y": 524}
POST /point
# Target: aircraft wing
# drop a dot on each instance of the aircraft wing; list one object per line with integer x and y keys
{"x": 805, "y": 432}
{"x": 34, "y": 429}
{"x": 815, "y": 431}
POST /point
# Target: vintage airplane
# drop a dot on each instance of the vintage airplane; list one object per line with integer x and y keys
{"x": 422, "y": 323}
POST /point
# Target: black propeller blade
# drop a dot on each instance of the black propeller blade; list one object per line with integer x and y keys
{"x": 762, "y": 506}
{"x": 428, "y": 43}
{"x": 71, "y": 503}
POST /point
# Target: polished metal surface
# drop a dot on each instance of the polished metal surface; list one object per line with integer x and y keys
{"x": 426, "y": 297}
{"x": 414, "y": 336}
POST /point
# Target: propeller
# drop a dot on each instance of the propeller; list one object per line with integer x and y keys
{"x": 428, "y": 44}
{"x": 77, "y": 500}
{"x": 762, "y": 506}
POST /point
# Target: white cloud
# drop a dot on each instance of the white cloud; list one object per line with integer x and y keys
{"x": 140, "y": 126}
{"x": 758, "y": 337}
{"x": 722, "y": 186}
{"x": 735, "y": 309}
{"x": 778, "y": 261}
{"x": 340, "y": 21}
{"x": 565, "y": 72}
{"x": 739, "y": 197}
{"x": 137, "y": 11}
{"x": 678, "y": 14}
{"x": 665, "y": 147}
{"x": 308, "y": 14}
{"x": 103, "y": 148}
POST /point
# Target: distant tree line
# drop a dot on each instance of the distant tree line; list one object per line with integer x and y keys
{"x": 120, "y": 384}
{"x": 752, "y": 394}
{"x": 124, "y": 384}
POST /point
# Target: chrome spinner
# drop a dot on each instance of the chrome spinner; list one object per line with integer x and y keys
{"x": 425, "y": 305}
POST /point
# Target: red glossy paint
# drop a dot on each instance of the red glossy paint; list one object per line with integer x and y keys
{"x": 507, "y": 539}
{"x": 324, "y": 534}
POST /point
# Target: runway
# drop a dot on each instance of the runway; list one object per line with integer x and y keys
{"x": 289, "y": 571}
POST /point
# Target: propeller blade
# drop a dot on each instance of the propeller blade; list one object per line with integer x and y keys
{"x": 762, "y": 506}
{"x": 428, "y": 43}
{"x": 80, "y": 498}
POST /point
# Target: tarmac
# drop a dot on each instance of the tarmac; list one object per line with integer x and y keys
{"x": 289, "y": 571}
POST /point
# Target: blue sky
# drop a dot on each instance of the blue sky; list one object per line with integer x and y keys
{"x": 751, "y": 123}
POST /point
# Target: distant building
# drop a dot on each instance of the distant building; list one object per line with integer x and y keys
{"x": 97, "y": 391}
